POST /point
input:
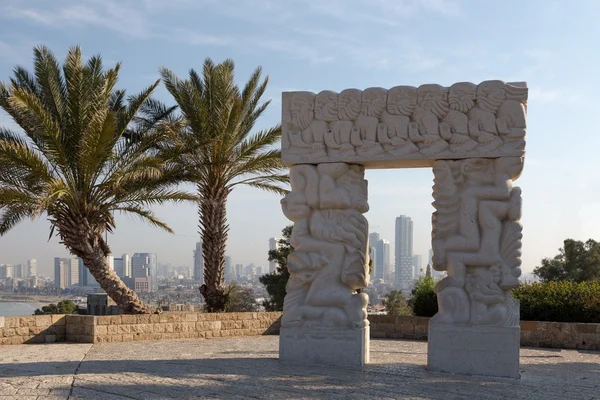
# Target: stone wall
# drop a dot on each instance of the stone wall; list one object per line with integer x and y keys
{"x": 33, "y": 329}
{"x": 533, "y": 333}
{"x": 123, "y": 328}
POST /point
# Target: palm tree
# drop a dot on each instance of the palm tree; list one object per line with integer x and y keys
{"x": 77, "y": 162}
{"x": 219, "y": 118}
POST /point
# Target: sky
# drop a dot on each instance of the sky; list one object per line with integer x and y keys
{"x": 337, "y": 44}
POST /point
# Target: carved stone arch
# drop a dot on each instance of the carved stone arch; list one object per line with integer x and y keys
{"x": 473, "y": 136}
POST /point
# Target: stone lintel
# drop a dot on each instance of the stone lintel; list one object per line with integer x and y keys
{"x": 324, "y": 346}
{"x": 476, "y": 350}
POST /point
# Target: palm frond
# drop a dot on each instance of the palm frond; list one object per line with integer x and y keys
{"x": 145, "y": 215}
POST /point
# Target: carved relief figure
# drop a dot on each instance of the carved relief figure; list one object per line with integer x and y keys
{"x": 301, "y": 137}
{"x": 461, "y": 98}
{"x": 511, "y": 116}
{"x": 346, "y": 138}
{"x": 330, "y": 238}
{"x": 487, "y": 298}
{"x": 394, "y": 134}
{"x": 373, "y": 104}
{"x": 482, "y": 117}
{"x": 483, "y": 231}
{"x": 433, "y": 105}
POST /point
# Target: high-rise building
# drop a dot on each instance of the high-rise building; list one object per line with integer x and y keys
{"x": 380, "y": 255}
{"x": 66, "y": 272}
{"x": 199, "y": 263}
{"x": 418, "y": 264}
{"x": 404, "y": 253}
{"x": 387, "y": 265}
{"x": 123, "y": 266}
{"x": 3, "y": 271}
{"x": 31, "y": 267}
{"x": 145, "y": 265}
{"x": 9, "y": 270}
{"x": 229, "y": 272}
{"x": 18, "y": 271}
{"x": 273, "y": 245}
{"x": 239, "y": 270}
{"x": 250, "y": 270}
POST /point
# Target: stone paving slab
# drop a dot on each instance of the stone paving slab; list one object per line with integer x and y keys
{"x": 248, "y": 368}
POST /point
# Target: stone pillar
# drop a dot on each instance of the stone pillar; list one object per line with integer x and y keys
{"x": 324, "y": 314}
{"x": 477, "y": 239}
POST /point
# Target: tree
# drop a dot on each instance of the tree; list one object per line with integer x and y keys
{"x": 424, "y": 299}
{"x": 219, "y": 118}
{"x": 76, "y": 161}
{"x": 395, "y": 303}
{"x": 276, "y": 281}
{"x": 240, "y": 299}
{"x": 576, "y": 262}
{"x": 63, "y": 307}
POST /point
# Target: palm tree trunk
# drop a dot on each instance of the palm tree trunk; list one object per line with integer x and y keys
{"x": 127, "y": 300}
{"x": 213, "y": 231}
{"x": 87, "y": 243}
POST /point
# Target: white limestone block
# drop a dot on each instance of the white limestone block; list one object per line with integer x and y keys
{"x": 325, "y": 346}
{"x": 481, "y": 350}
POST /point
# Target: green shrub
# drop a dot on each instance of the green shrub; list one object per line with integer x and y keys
{"x": 560, "y": 301}
{"x": 63, "y": 307}
{"x": 395, "y": 304}
{"x": 424, "y": 299}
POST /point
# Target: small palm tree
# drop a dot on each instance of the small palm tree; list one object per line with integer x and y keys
{"x": 219, "y": 118}
{"x": 77, "y": 160}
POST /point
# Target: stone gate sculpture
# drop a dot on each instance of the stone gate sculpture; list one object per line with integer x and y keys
{"x": 473, "y": 136}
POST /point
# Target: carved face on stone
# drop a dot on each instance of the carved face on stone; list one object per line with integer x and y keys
{"x": 374, "y": 101}
{"x": 433, "y": 98}
{"x": 462, "y": 96}
{"x": 302, "y": 105}
{"x": 491, "y": 95}
{"x": 349, "y": 104}
{"x": 402, "y": 100}
{"x": 496, "y": 271}
{"x": 326, "y": 106}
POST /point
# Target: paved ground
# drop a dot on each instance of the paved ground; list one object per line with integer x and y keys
{"x": 247, "y": 368}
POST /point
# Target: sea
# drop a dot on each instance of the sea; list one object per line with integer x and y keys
{"x": 8, "y": 309}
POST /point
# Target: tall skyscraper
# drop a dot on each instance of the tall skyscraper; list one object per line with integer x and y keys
{"x": 273, "y": 245}
{"x": 145, "y": 265}
{"x": 404, "y": 253}
{"x": 418, "y": 264}
{"x": 381, "y": 256}
{"x": 31, "y": 267}
{"x": 66, "y": 272}
{"x": 123, "y": 266}
{"x": 229, "y": 272}
{"x": 199, "y": 263}
{"x": 9, "y": 271}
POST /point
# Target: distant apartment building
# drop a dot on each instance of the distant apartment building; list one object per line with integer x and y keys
{"x": 199, "y": 263}
{"x": 66, "y": 272}
{"x": 418, "y": 265}
{"x": 19, "y": 272}
{"x": 145, "y": 265}
{"x": 273, "y": 245}
{"x": 239, "y": 270}
{"x": 404, "y": 253}
{"x": 229, "y": 271}
{"x": 31, "y": 267}
{"x": 123, "y": 266}
{"x": 381, "y": 256}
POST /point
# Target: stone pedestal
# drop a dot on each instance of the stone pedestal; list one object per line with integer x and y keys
{"x": 475, "y": 350}
{"x": 324, "y": 346}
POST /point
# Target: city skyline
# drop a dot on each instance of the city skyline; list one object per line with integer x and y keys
{"x": 407, "y": 43}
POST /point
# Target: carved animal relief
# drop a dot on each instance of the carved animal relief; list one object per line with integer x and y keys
{"x": 405, "y": 125}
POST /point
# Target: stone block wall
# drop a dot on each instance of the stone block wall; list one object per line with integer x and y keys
{"x": 533, "y": 333}
{"x": 33, "y": 329}
{"x": 125, "y": 328}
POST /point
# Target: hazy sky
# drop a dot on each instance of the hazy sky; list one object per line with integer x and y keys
{"x": 337, "y": 44}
